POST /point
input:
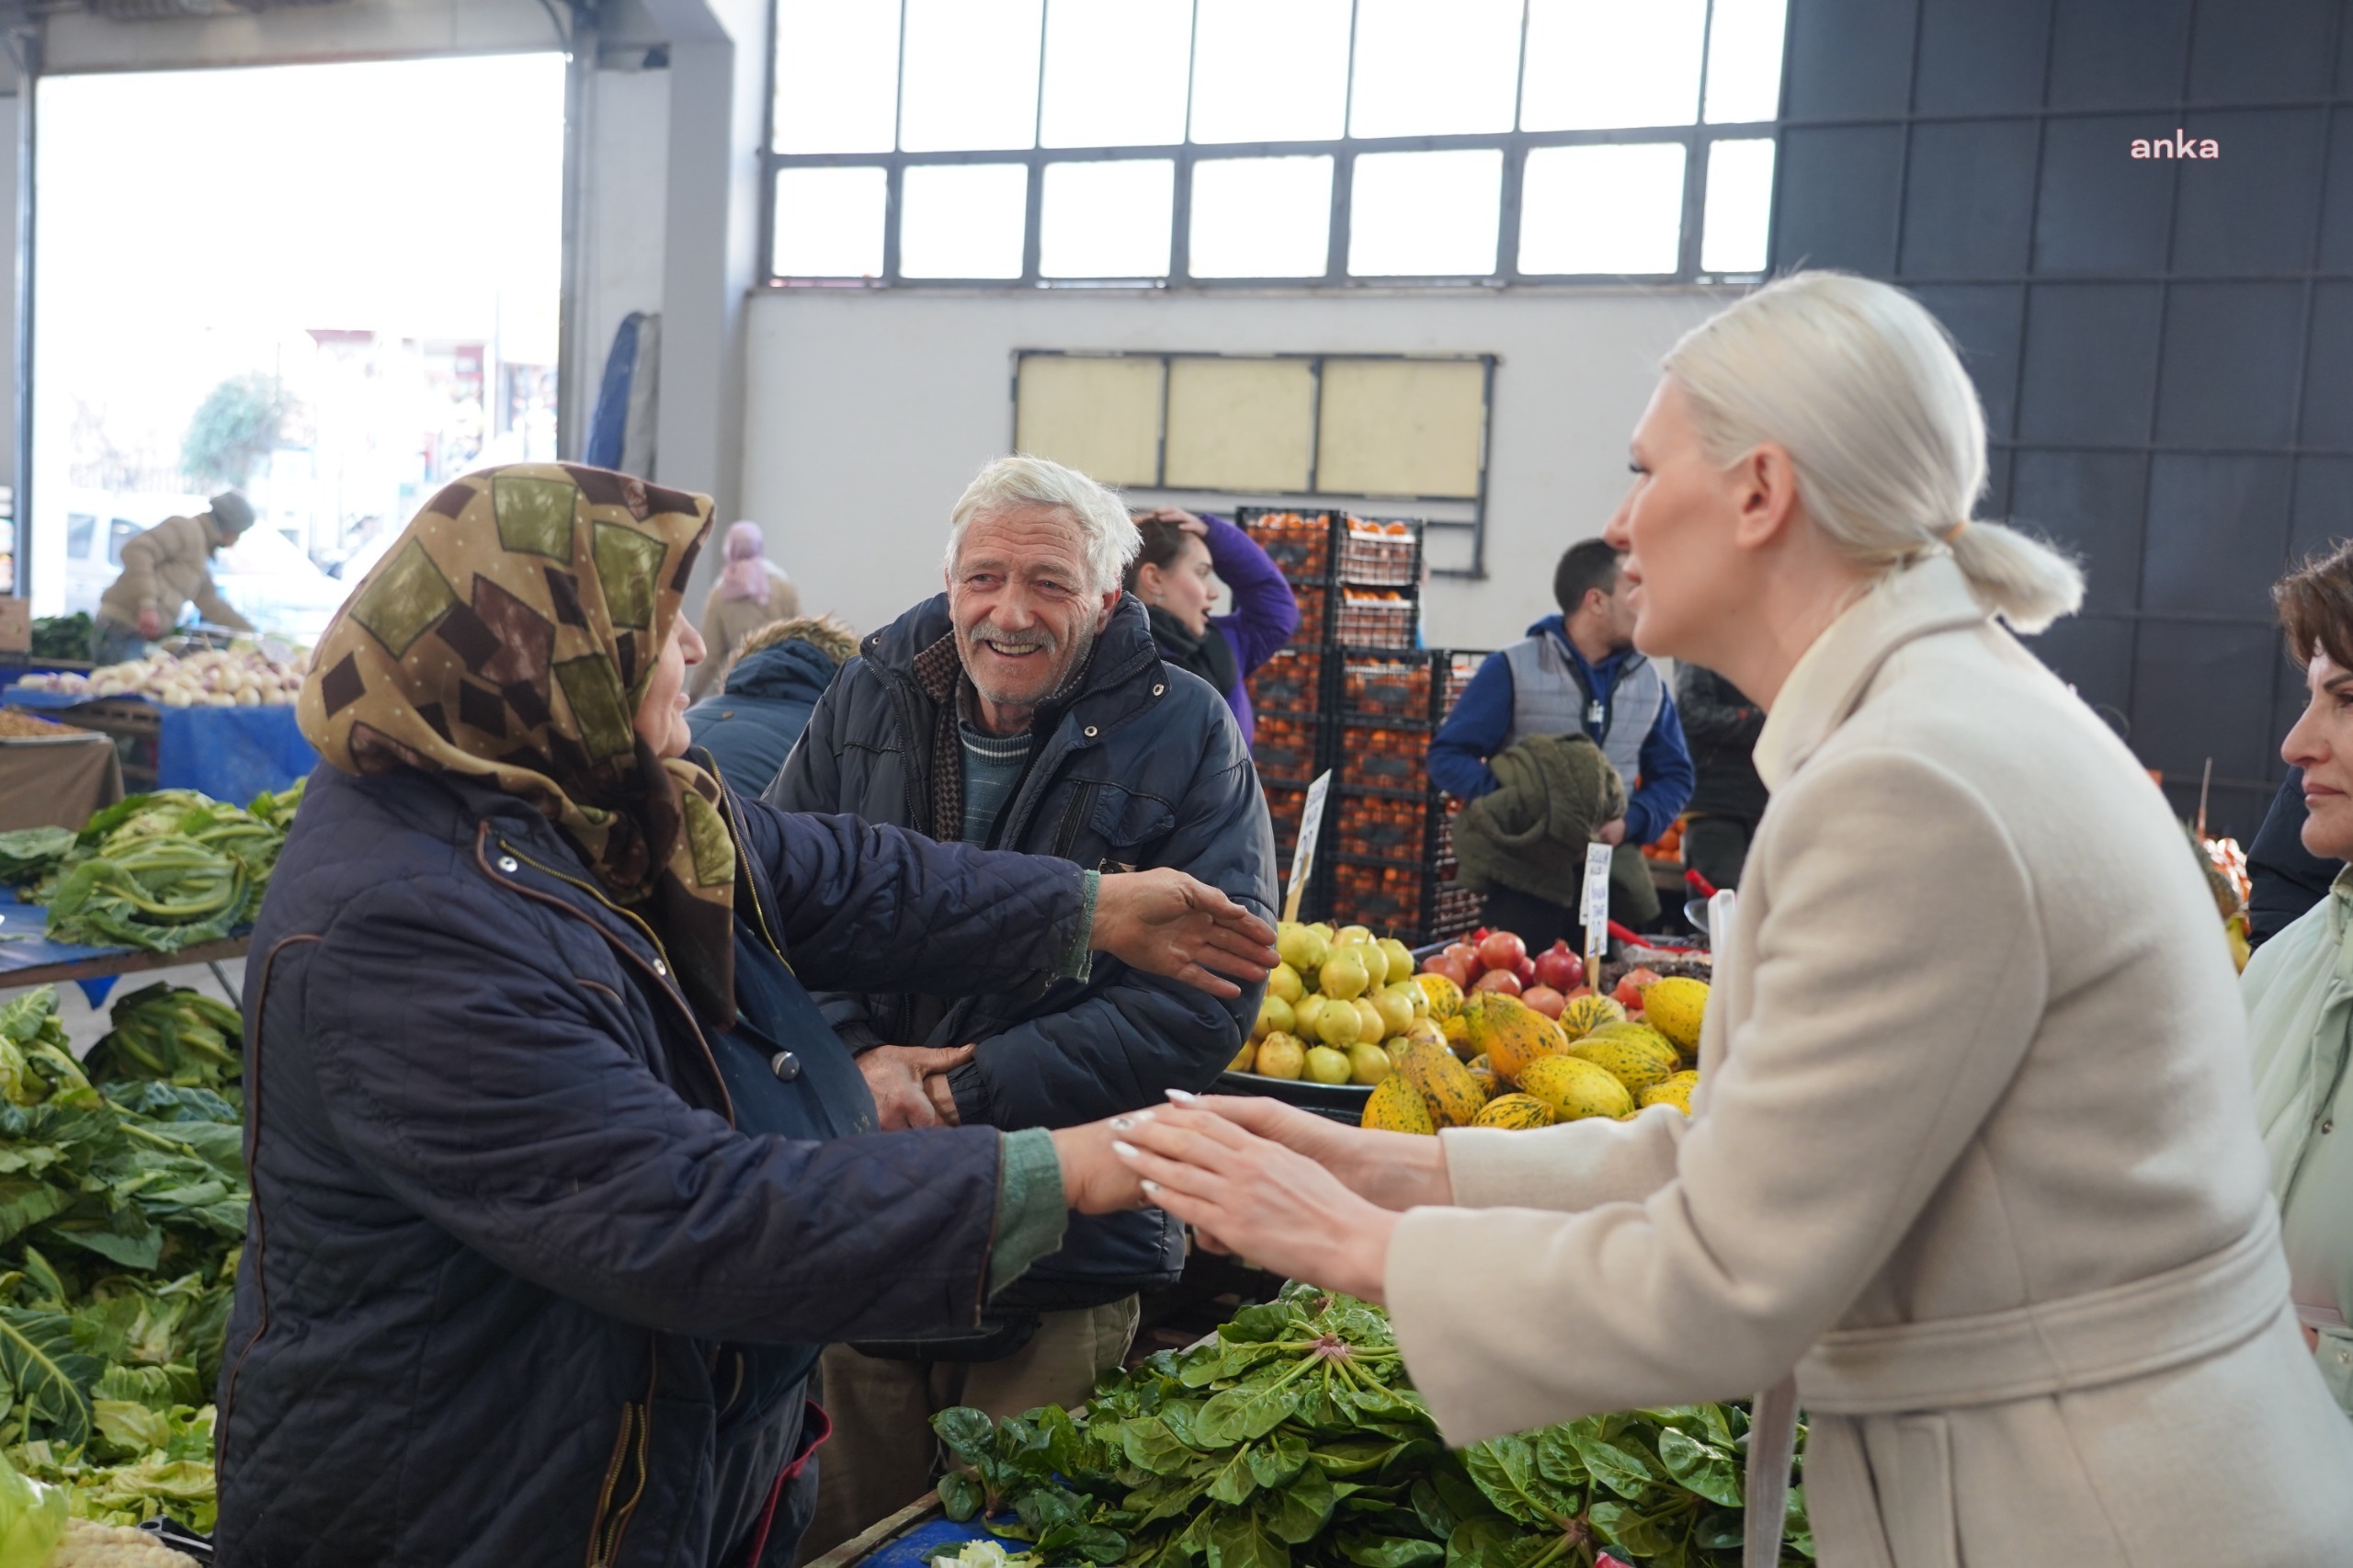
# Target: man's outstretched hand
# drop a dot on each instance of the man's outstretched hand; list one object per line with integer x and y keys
{"x": 1164, "y": 922}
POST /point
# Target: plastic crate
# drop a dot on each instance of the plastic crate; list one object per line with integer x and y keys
{"x": 1289, "y": 749}
{"x": 1383, "y": 826}
{"x": 1298, "y": 542}
{"x": 1291, "y": 682}
{"x": 1388, "y": 688}
{"x": 1380, "y": 554}
{"x": 1374, "y": 618}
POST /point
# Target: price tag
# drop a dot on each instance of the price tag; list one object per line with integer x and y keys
{"x": 1596, "y": 911}
{"x": 1302, "y": 858}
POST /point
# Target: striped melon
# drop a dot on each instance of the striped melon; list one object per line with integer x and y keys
{"x": 1643, "y": 1035}
{"x": 1587, "y": 1013}
{"x": 1674, "y": 1008}
{"x": 1446, "y": 1086}
{"x": 1483, "y": 1072}
{"x": 1516, "y": 1111}
{"x": 1445, "y": 997}
{"x": 1675, "y": 1091}
{"x": 1510, "y": 1034}
{"x": 1393, "y": 1106}
{"x": 1575, "y": 1088}
{"x": 1624, "y": 1060}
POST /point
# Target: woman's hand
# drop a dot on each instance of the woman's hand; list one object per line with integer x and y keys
{"x": 1164, "y": 922}
{"x": 1395, "y": 1170}
{"x": 1251, "y": 1197}
{"x": 1179, "y": 515}
{"x": 907, "y": 1085}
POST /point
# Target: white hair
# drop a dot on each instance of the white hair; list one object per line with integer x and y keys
{"x": 1107, "y": 536}
{"x": 1863, "y": 389}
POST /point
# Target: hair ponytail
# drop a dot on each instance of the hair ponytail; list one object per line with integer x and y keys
{"x": 1863, "y": 388}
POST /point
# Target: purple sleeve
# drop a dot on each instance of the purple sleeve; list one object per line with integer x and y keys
{"x": 1265, "y": 612}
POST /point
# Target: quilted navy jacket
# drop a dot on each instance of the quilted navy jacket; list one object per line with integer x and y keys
{"x": 502, "y": 1225}
{"x": 1144, "y": 767}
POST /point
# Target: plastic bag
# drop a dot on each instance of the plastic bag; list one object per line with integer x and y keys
{"x": 32, "y": 1518}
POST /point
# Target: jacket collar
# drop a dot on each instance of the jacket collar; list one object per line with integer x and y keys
{"x": 791, "y": 671}
{"x": 1830, "y": 678}
{"x": 1556, "y": 629}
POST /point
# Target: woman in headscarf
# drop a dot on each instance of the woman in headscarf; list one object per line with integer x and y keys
{"x": 553, "y": 1201}
{"x": 751, "y": 592}
{"x": 1972, "y": 1152}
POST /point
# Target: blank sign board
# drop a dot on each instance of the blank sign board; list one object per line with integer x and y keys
{"x": 1402, "y": 427}
{"x": 1099, "y": 414}
{"x": 1241, "y": 425}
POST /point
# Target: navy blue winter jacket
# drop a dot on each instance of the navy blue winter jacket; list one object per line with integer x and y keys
{"x": 503, "y": 1228}
{"x": 1144, "y": 767}
{"x": 750, "y": 723}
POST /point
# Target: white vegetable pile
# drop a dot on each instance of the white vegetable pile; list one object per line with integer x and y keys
{"x": 235, "y": 677}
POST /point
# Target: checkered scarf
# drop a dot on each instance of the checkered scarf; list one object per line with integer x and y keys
{"x": 508, "y": 637}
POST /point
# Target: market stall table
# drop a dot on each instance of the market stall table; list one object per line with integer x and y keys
{"x": 28, "y": 958}
{"x": 230, "y": 753}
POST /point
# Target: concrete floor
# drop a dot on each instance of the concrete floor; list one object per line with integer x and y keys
{"x": 84, "y": 1023}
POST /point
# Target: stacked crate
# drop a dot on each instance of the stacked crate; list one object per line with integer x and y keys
{"x": 1358, "y": 585}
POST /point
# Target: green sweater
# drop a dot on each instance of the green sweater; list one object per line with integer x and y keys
{"x": 2299, "y": 992}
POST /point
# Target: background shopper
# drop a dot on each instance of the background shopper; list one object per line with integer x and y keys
{"x": 1172, "y": 573}
{"x": 163, "y": 570}
{"x": 751, "y": 592}
{"x": 1721, "y": 726}
{"x": 780, "y": 671}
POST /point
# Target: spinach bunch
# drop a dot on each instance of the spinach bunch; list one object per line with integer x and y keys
{"x": 1295, "y": 1437}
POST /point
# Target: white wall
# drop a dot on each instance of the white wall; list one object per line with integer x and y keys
{"x": 866, "y": 412}
{"x": 621, "y": 227}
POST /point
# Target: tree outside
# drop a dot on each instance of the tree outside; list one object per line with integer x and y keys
{"x": 235, "y": 428}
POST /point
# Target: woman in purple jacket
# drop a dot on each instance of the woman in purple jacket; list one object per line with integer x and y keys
{"x": 1173, "y": 576}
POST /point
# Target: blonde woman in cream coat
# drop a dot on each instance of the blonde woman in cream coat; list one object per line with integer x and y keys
{"x": 1972, "y": 1152}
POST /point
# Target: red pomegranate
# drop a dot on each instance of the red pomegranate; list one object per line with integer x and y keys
{"x": 1629, "y": 990}
{"x": 1450, "y": 966}
{"x": 1501, "y": 980}
{"x": 1465, "y": 955}
{"x": 1502, "y": 949}
{"x": 1559, "y": 968}
{"x": 1545, "y": 1000}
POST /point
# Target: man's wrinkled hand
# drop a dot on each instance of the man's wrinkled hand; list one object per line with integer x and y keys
{"x": 1164, "y": 922}
{"x": 901, "y": 1079}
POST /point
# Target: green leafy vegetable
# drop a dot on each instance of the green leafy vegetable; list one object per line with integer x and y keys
{"x": 1295, "y": 1438}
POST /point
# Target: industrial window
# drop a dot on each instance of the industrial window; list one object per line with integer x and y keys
{"x": 1070, "y": 142}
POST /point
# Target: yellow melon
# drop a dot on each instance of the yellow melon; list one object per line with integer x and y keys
{"x": 1444, "y": 996}
{"x": 1623, "y": 1060}
{"x": 1516, "y": 1111}
{"x": 1454, "y": 1097}
{"x": 1393, "y": 1106}
{"x": 1674, "y": 1008}
{"x": 1483, "y": 1073}
{"x": 1510, "y": 1034}
{"x": 1575, "y": 1088}
{"x": 1644, "y": 1036}
{"x": 1675, "y": 1091}
{"x": 1587, "y": 1013}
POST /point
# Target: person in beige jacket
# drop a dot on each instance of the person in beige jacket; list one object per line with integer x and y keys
{"x": 1972, "y": 1152}
{"x": 163, "y": 569}
{"x": 751, "y": 592}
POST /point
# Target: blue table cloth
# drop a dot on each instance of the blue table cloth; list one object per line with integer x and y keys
{"x": 230, "y": 753}
{"x": 938, "y": 1537}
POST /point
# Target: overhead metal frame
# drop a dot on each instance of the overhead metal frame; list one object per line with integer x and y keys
{"x": 1343, "y": 151}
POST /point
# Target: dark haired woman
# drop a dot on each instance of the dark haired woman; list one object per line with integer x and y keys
{"x": 553, "y": 1200}
{"x": 1172, "y": 574}
{"x": 2299, "y": 1012}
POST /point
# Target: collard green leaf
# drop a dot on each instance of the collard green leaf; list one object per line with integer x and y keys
{"x": 26, "y": 1203}
{"x": 1367, "y": 1550}
{"x": 47, "y": 1372}
{"x": 130, "y": 1427}
{"x": 1712, "y": 1472}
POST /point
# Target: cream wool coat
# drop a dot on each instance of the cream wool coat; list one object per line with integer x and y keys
{"x": 1974, "y": 1152}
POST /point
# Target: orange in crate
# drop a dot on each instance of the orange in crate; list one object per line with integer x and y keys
{"x": 1300, "y": 543}
{"x": 1393, "y": 689}
{"x": 1292, "y": 681}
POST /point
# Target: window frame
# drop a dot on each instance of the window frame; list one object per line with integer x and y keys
{"x": 1696, "y": 139}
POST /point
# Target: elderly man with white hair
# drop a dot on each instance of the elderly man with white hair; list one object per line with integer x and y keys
{"x": 1028, "y": 708}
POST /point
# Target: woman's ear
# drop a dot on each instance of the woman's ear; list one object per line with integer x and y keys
{"x": 1765, "y": 495}
{"x": 1147, "y": 582}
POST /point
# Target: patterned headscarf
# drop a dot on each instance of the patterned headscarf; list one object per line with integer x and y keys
{"x": 745, "y": 575}
{"x": 508, "y": 636}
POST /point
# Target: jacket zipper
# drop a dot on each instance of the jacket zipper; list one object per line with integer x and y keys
{"x": 660, "y": 982}
{"x": 608, "y": 1527}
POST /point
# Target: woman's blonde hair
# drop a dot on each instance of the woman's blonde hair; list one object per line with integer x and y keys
{"x": 1862, "y": 387}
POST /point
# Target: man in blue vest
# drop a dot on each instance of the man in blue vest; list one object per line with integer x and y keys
{"x": 1577, "y": 670}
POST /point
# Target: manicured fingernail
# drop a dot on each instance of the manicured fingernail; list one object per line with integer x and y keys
{"x": 1152, "y": 1188}
{"x": 1123, "y": 1124}
{"x": 1125, "y": 1151}
{"x": 1183, "y": 1097}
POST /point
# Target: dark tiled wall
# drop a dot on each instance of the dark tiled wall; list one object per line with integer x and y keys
{"x": 2165, "y": 348}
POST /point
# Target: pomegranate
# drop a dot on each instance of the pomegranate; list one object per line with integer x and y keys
{"x": 1450, "y": 966}
{"x": 1559, "y": 968}
{"x": 1629, "y": 990}
{"x": 1526, "y": 969}
{"x": 1545, "y": 1000}
{"x": 1502, "y": 949}
{"x": 1501, "y": 980}
{"x": 1465, "y": 955}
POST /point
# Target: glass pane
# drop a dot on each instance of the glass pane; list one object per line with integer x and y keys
{"x": 1426, "y": 70}
{"x": 962, "y": 219}
{"x": 1425, "y": 214}
{"x": 1596, "y": 64}
{"x": 1115, "y": 73}
{"x": 1270, "y": 70}
{"x": 829, "y": 222}
{"x": 1744, "y": 60}
{"x": 1106, "y": 220}
{"x": 1613, "y": 208}
{"x": 971, "y": 76}
{"x": 1262, "y": 218}
{"x": 836, "y": 76}
{"x": 1739, "y": 217}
